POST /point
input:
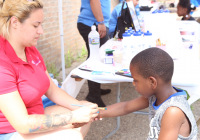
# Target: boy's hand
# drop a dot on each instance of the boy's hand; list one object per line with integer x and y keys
{"x": 98, "y": 117}
{"x": 77, "y": 125}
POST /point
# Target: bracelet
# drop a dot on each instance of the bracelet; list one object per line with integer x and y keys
{"x": 101, "y": 22}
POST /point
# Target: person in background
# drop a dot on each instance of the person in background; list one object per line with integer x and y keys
{"x": 184, "y": 8}
{"x": 196, "y": 3}
{"x": 116, "y": 13}
{"x": 94, "y": 12}
{"x": 170, "y": 115}
{"x": 24, "y": 80}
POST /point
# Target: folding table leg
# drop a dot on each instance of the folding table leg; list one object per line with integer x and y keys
{"x": 118, "y": 118}
{"x": 198, "y": 122}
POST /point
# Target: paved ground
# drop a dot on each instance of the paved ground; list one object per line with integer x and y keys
{"x": 133, "y": 126}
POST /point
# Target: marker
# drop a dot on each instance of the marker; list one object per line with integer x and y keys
{"x": 101, "y": 108}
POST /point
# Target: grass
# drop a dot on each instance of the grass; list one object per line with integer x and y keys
{"x": 83, "y": 54}
{"x": 51, "y": 68}
{"x": 69, "y": 59}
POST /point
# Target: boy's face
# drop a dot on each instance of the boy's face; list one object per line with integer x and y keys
{"x": 141, "y": 84}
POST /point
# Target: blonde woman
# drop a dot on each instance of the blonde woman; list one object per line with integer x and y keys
{"x": 24, "y": 79}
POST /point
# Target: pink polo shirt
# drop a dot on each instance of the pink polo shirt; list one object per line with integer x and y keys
{"x": 29, "y": 79}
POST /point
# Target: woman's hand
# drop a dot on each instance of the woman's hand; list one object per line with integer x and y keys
{"x": 85, "y": 114}
{"x": 84, "y": 102}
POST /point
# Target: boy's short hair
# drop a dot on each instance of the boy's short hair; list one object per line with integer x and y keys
{"x": 154, "y": 62}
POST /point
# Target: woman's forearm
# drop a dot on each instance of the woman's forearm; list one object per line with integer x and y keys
{"x": 43, "y": 123}
{"x": 59, "y": 96}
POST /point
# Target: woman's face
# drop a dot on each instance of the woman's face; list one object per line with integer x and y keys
{"x": 181, "y": 11}
{"x": 31, "y": 29}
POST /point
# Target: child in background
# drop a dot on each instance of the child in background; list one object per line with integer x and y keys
{"x": 170, "y": 115}
{"x": 184, "y": 8}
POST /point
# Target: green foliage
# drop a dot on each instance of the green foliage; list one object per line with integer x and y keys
{"x": 51, "y": 68}
{"x": 68, "y": 59}
{"x": 83, "y": 53}
{"x": 191, "y": 107}
{"x": 188, "y": 96}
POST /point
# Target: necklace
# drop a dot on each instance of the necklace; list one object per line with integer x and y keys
{"x": 24, "y": 59}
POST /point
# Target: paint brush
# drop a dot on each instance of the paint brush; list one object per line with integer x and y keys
{"x": 101, "y": 108}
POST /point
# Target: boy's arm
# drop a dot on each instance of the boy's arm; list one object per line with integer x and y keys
{"x": 171, "y": 123}
{"x": 124, "y": 108}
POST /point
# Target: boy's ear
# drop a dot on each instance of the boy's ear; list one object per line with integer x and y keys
{"x": 14, "y": 21}
{"x": 153, "y": 82}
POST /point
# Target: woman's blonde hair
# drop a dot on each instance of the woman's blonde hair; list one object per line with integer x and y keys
{"x": 18, "y": 8}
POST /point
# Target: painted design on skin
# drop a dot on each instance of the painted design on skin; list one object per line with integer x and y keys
{"x": 41, "y": 123}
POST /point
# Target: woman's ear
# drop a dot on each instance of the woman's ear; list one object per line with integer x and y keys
{"x": 153, "y": 82}
{"x": 14, "y": 22}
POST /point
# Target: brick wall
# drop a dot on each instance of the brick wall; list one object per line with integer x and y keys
{"x": 49, "y": 44}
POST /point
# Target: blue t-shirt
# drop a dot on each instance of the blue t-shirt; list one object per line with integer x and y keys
{"x": 115, "y": 14}
{"x": 195, "y": 2}
{"x": 86, "y": 16}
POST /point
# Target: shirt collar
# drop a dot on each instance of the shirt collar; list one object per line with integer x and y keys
{"x": 9, "y": 51}
{"x": 179, "y": 92}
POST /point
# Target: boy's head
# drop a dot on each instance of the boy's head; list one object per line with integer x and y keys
{"x": 151, "y": 68}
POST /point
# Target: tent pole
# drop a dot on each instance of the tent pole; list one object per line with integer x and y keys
{"x": 61, "y": 37}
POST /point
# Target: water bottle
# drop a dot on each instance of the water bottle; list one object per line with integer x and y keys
{"x": 126, "y": 40}
{"x": 137, "y": 43}
{"x": 148, "y": 40}
{"x": 126, "y": 43}
{"x": 94, "y": 44}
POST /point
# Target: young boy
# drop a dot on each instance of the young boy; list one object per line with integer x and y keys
{"x": 170, "y": 115}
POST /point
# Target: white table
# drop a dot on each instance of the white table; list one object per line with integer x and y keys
{"x": 186, "y": 74}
